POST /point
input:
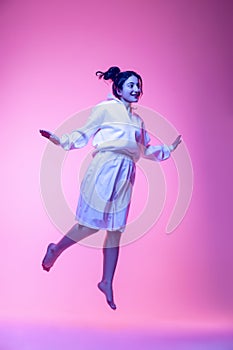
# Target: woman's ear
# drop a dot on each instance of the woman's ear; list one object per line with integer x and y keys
{"x": 119, "y": 92}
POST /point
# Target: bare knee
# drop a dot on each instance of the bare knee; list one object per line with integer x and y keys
{"x": 79, "y": 232}
{"x": 85, "y": 229}
{"x": 112, "y": 239}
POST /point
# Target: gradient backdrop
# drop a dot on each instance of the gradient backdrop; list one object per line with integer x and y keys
{"x": 50, "y": 51}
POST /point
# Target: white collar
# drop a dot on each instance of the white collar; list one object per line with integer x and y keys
{"x": 111, "y": 97}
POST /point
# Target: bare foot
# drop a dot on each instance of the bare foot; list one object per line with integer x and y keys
{"x": 50, "y": 257}
{"x": 107, "y": 290}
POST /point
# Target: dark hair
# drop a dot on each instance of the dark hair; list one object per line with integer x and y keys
{"x": 118, "y": 78}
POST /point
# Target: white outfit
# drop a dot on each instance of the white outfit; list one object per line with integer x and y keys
{"x": 119, "y": 139}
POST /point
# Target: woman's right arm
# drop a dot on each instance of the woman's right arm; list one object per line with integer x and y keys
{"x": 80, "y": 137}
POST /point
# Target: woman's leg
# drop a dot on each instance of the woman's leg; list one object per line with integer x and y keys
{"x": 110, "y": 254}
{"x": 74, "y": 235}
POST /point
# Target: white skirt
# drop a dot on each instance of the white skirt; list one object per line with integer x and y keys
{"x": 105, "y": 192}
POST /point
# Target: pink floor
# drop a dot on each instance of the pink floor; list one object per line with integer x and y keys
{"x": 37, "y": 337}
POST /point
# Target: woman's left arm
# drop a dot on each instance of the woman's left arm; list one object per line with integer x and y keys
{"x": 156, "y": 153}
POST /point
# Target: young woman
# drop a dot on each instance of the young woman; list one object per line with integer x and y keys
{"x": 119, "y": 140}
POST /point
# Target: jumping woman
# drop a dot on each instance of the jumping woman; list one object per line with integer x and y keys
{"x": 119, "y": 140}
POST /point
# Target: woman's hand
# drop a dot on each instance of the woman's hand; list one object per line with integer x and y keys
{"x": 53, "y": 138}
{"x": 175, "y": 143}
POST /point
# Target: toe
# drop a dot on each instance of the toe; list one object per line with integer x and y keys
{"x": 112, "y": 305}
{"x": 45, "y": 268}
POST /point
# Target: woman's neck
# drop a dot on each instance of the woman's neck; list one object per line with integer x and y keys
{"x": 127, "y": 105}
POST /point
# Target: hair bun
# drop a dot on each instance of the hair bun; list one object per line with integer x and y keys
{"x": 111, "y": 73}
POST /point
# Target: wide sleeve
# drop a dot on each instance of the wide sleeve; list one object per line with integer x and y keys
{"x": 157, "y": 153}
{"x": 80, "y": 137}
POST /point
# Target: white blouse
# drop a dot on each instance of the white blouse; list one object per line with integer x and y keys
{"x": 114, "y": 129}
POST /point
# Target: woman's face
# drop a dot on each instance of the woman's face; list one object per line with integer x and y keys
{"x": 130, "y": 90}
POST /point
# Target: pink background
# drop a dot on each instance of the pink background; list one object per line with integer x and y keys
{"x": 50, "y": 51}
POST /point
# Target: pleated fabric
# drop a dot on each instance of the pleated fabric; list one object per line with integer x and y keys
{"x": 105, "y": 192}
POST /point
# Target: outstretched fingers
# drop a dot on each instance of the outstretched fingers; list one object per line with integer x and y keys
{"x": 53, "y": 138}
{"x": 45, "y": 133}
{"x": 176, "y": 143}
